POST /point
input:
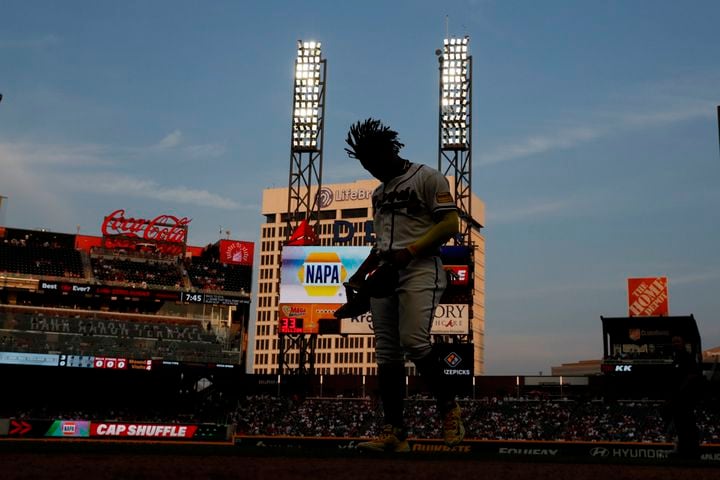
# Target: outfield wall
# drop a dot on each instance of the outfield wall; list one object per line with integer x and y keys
{"x": 611, "y": 452}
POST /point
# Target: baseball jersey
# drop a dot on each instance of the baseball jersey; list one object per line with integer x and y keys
{"x": 405, "y": 207}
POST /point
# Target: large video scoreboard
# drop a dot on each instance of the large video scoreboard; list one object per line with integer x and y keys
{"x": 311, "y": 285}
{"x": 311, "y": 289}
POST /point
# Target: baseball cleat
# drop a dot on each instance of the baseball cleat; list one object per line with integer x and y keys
{"x": 390, "y": 440}
{"x": 453, "y": 429}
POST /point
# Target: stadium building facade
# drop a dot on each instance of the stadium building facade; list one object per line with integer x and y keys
{"x": 138, "y": 293}
{"x": 345, "y": 220}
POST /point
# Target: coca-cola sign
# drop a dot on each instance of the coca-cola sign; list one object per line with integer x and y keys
{"x": 163, "y": 228}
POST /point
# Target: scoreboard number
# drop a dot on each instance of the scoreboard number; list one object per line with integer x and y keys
{"x": 291, "y": 325}
{"x": 188, "y": 297}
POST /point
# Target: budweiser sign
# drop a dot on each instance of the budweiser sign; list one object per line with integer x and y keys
{"x": 163, "y": 228}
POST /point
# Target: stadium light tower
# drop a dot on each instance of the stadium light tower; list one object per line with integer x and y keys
{"x": 455, "y": 140}
{"x": 306, "y": 153}
{"x": 455, "y": 127}
{"x": 308, "y": 124}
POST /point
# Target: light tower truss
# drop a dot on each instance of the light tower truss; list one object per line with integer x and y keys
{"x": 455, "y": 128}
{"x": 308, "y": 124}
{"x": 306, "y": 154}
{"x": 455, "y": 141}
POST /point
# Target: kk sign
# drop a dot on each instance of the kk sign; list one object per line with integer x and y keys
{"x": 648, "y": 297}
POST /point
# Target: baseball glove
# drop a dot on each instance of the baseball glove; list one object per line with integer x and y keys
{"x": 379, "y": 283}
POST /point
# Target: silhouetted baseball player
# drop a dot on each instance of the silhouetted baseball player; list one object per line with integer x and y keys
{"x": 413, "y": 215}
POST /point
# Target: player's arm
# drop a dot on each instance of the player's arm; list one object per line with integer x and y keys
{"x": 446, "y": 227}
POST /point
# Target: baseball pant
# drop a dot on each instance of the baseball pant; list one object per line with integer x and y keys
{"x": 402, "y": 321}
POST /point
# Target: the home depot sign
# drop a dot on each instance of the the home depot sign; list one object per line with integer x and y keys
{"x": 648, "y": 297}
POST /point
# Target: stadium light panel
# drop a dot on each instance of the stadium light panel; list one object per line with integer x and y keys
{"x": 455, "y": 85}
{"x": 306, "y": 103}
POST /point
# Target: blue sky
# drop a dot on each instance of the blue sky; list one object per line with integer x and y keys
{"x": 595, "y": 142}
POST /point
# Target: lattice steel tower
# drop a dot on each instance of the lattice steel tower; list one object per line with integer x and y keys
{"x": 455, "y": 128}
{"x": 306, "y": 155}
{"x": 455, "y": 143}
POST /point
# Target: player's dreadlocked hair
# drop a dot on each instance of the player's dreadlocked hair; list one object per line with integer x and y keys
{"x": 368, "y": 138}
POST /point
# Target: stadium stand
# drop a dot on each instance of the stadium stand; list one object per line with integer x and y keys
{"x": 28, "y": 257}
{"x": 76, "y": 332}
{"x": 137, "y": 271}
{"x": 487, "y": 418}
{"x": 206, "y": 272}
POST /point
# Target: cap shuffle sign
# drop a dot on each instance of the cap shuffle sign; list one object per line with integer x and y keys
{"x": 322, "y": 274}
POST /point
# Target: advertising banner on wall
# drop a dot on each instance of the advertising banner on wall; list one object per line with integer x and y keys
{"x": 66, "y": 288}
{"x": 141, "y": 430}
{"x": 459, "y": 275}
{"x": 311, "y": 284}
{"x": 648, "y": 297}
{"x": 456, "y": 359}
{"x": 235, "y": 252}
{"x": 69, "y": 428}
{"x": 305, "y": 318}
{"x": 158, "y": 431}
{"x": 36, "y": 359}
{"x": 316, "y": 274}
{"x": 450, "y": 319}
{"x": 361, "y": 325}
{"x": 112, "y": 430}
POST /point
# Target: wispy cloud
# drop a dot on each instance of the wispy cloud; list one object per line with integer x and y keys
{"x": 118, "y": 184}
{"x": 37, "y": 42}
{"x": 665, "y": 117}
{"x": 537, "y": 144}
{"x": 695, "y": 278}
{"x": 16, "y": 155}
{"x": 604, "y": 125}
{"x": 170, "y": 140}
{"x": 533, "y": 210}
{"x": 175, "y": 141}
{"x": 206, "y": 150}
{"x": 553, "y": 290}
{"x": 50, "y": 171}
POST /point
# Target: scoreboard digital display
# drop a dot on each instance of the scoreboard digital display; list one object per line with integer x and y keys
{"x": 311, "y": 286}
{"x": 77, "y": 361}
{"x": 211, "y": 299}
{"x": 291, "y": 325}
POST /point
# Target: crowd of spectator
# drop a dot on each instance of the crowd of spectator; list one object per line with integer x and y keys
{"x": 44, "y": 254}
{"x": 210, "y": 274}
{"x": 75, "y": 332}
{"x": 485, "y": 419}
{"x": 117, "y": 347}
{"x": 488, "y": 419}
{"x": 141, "y": 272}
{"x": 43, "y": 258}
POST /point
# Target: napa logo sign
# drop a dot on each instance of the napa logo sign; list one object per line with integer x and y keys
{"x": 322, "y": 274}
{"x": 316, "y": 274}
